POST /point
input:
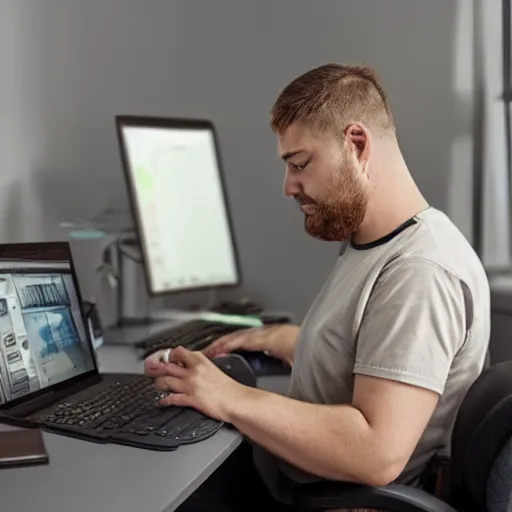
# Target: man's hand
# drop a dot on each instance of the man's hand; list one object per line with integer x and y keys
{"x": 194, "y": 382}
{"x": 277, "y": 340}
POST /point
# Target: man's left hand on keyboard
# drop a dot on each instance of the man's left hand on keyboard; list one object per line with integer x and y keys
{"x": 194, "y": 381}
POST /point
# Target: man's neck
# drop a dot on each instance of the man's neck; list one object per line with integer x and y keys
{"x": 394, "y": 202}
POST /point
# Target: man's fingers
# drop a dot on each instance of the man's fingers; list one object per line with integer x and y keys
{"x": 219, "y": 354}
{"x": 163, "y": 369}
{"x": 215, "y": 346}
{"x": 153, "y": 364}
{"x": 179, "y": 399}
{"x": 154, "y": 370}
{"x": 168, "y": 383}
{"x": 154, "y": 358}
{"x": 225, "y": 345}
{"x": 181, "y": 355}
{"x": 175, "y": 370}
{"x": 236, "y": 336}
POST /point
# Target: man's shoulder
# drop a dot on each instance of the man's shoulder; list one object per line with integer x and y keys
{"x": 436, "y": 241}
{"x": 431, "y": 258}
{"x": 431, "y": 247}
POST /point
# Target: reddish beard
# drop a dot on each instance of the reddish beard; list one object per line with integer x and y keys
{"x": 338, "y": 215}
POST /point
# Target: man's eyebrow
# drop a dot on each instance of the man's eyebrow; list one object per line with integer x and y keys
{"x": 291, "y": 154}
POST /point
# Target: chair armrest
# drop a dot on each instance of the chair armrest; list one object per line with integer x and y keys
{"x": 391, "y": 498}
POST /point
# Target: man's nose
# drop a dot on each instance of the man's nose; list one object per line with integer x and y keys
{"x": 291, "y": 186}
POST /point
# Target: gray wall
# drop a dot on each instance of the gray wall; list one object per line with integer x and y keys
{"x": 71, "y": 66}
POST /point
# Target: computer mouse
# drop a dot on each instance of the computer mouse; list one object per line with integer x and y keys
{"x": 237, "y": 368}
{"x": 263, "y": 365}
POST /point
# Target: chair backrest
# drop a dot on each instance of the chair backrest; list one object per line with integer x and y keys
{"x": 480, "y": 453}
{"x": 499, "y": 483}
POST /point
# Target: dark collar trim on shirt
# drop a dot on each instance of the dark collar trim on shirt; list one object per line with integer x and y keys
{"x": 387, "y": 238}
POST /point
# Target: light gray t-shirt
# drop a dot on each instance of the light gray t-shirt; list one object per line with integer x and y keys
{"x": 412, "y": 307}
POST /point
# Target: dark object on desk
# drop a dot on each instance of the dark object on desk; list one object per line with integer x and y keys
{"x": 237, "y": 368}
{"x": 274, "y": 318}
{"x": 93, "y": 323}
{"x": 22, "y": 448}
{"x": 241, "y": 307}
{"x": 263, "y": 365}
{"x": 199, "y": 334}
{"x": 70, "y": 397}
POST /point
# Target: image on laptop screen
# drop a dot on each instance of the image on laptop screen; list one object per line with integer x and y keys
{"x": 43, "y": 340}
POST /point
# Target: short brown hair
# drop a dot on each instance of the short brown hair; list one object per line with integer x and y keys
{"x": 332, "y": 96}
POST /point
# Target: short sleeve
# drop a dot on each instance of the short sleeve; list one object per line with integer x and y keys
{"x": 413, "y": 325}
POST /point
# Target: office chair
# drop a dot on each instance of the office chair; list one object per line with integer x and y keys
{"x": 481, "y": 462}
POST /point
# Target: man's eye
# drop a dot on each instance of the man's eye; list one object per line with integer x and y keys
{"x": 301, "y": 167}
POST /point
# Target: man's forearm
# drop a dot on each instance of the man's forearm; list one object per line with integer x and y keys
{"x": 334, "y": 442}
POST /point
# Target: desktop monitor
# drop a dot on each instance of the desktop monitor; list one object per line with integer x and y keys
{"x": 44, "y": 342}
{"x": 178, "y": 199}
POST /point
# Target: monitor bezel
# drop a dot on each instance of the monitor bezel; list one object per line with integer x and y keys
{"x": 8, "y": 251}
{"x": 138, "y": 121}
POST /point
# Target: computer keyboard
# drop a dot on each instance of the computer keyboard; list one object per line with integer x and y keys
{"x": 198, "y": 334}
{"x": 129, "y": 413}
{"x": 194, "y": 335}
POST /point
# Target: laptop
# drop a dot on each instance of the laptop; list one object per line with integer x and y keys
{"x": 49, "y": 376}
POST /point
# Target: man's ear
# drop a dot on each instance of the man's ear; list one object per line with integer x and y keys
{"x": 359, "y": 141}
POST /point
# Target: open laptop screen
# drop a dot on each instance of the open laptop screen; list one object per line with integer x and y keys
{"x": 43, "y": 339}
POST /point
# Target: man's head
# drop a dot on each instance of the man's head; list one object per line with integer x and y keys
{"x": 329, "y": 122}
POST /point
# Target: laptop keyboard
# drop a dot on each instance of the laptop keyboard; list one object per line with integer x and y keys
{"x": 194, "y": 335}
{"x": 130, "y": 411}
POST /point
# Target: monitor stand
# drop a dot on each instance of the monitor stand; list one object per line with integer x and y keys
{"x": 130, "y": 326}
{"x": 128, "y": 262}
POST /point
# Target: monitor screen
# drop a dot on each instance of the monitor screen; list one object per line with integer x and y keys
{"x": 176, "y": 188}
{"x": 43, "y": 340}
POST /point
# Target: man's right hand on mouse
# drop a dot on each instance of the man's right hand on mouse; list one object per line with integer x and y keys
{"x": 275, "y": 340}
